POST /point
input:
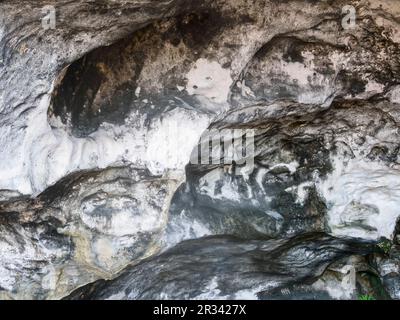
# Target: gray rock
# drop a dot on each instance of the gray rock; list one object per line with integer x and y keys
{"x": 138, "y": 82}
{"x": 312, "y": 173}
{"x": 89, "y": 225}
{"x": 193, "y": 61}
{"x": 226, "y": 268}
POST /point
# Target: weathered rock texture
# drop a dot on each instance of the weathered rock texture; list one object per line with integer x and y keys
{"x": 89, "y": 225}
{"x": 100, "y": 117}
{"x": 317, "y": 170}
{"x": 226, "y": 268}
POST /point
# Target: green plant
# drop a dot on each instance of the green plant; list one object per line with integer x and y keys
{"x": 366, "y": 297}
{"x": 386, "y": 246}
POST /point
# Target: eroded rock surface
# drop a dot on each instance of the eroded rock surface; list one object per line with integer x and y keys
{"x": 334, "y": 169}
{"x": 226, "y": 268}
{"x": 89, "y": 225}
{"x": 173, "y": 63}
{"x": 124, "y": 90}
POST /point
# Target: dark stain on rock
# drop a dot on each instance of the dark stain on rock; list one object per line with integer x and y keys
{"x": 353, "y": 84}
{"x": 87, "y": 95}
{"x": 75, "y": 96}
{"x": 196, "y": 30}
{"x": 294, "y": 52}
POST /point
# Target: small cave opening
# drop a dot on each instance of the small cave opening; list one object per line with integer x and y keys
{"x": 146, "y": 71}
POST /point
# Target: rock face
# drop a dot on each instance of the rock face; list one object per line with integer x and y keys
{"x": 226, "y": 268}
{"x": 313, "y": 171}
{"x": 89, "y": 225}
{"x": 103, "y": 115}
{"x": 32, "y": 59}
